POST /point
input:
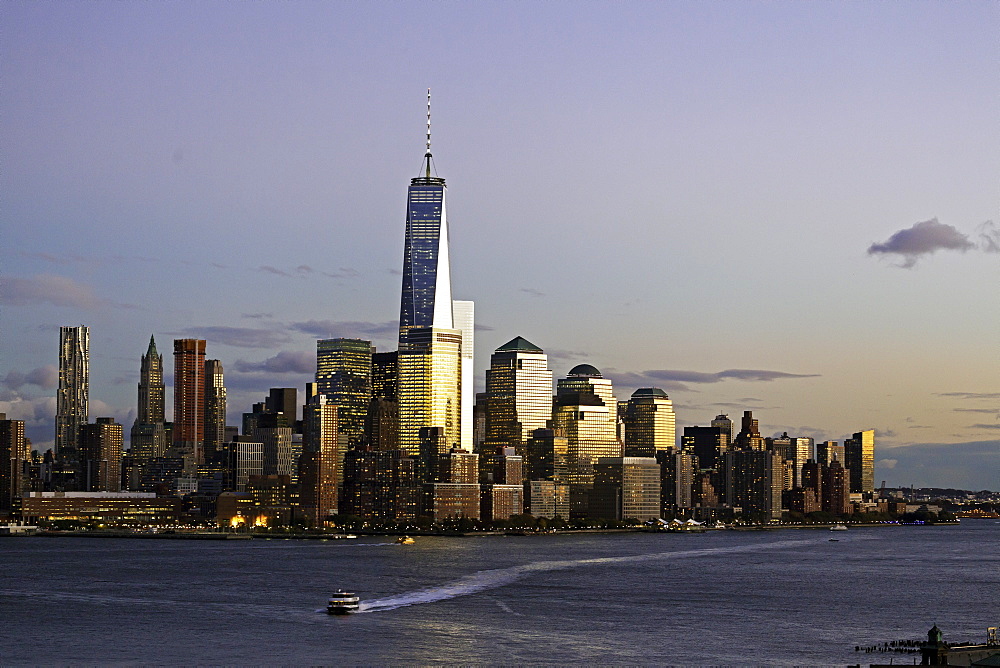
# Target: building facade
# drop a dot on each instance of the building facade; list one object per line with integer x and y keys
{"x": 189, "y": 398}
{"x": 73, "y": 395}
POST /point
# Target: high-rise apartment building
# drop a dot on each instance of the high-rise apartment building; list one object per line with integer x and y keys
{"x": 344, "y": 375}
{"x": 73, "y": 395}
{"x": 13, "y": 457}
{"x": 518, "y": 394}
{"x": 322, "y": 459}
{"x": 723, "y": 422}
{"x": 859, "y": 459}
{"x": 189, "y": 399}
{"x": 650, "y": 423}
{"x": 215, "y": 408}
{"x": 101, "y": 456}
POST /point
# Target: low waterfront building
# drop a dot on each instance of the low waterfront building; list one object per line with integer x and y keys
{"x": 131, "y": 508}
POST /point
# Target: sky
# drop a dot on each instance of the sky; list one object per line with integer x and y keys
{"x": 783, "y": 207}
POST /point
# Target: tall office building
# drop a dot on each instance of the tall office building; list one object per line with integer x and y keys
{"x": 344, "y": 375}
{"x": 426, "y": 297}
{"x": 464, "y": 317}
{"x": 215, "y": 408}
{"x": 708, "y": 444}
{"x": 859, "y": 459}
{"x": 518, "y": 394}
{"x": 650, "y": 423}
{"x": 101, "y": 456}
{"x": 152, "y": 391}
{"x": 749, "y": 437}
{"x": 72, "y": 397}
{"x": 430, "y": 348}
{"x": 148, "y": 438}
{"x": 803, "y": 447}
{"x": 586, "y": 415}
{"x": 189, "y": 399}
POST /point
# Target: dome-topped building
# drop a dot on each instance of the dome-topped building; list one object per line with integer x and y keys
{"x": 585, "y": 371}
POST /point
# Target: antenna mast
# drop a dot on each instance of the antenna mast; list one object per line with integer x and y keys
{"x": 428, "y": 155}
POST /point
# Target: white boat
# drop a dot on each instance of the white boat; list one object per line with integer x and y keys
{"x": 405, "y": 540}
{"x": 838, "y": 527}
{"x": 343, "y": 603}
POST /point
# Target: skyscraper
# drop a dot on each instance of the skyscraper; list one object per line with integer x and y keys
{"x": 859, "y": 460}
{"x": 151, "y": 388}
{"x": 322, "y": 459}
{"x": 518, "y": 394}
{"x": 13, "y": 456}
{"x": 101, "y": 456}
{"x": 72, "y": 398}
{"x": 215, "y": 408}
{"x": 189, "y": 398}
{"x": 344, "y": 376}
{"x": 426, "y": 298}
{"x": 464, "y": 317}
{"x": 650, "y": 423}
{"x": 430, "y": 348}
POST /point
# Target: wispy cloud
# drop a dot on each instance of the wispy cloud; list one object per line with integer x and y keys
{"x": 990, "y": 411}
{"x": 46, "y": 289}
{"x": 483, "y": 328}
{"x": 752, "y": 375}
{"x": 922, "y": 239}
{"x": 971, "y": 395}
{"x": 989, "y": 237}
{"x": 268, "y": 269}
{"x": 257, "y": 316}
{"x": 304, "y": 270}
{"x": 994, "y": 426}
{"x": 239, "y": 337}
{"x": 287, "y": 361}
{"x": 533, "y": 292}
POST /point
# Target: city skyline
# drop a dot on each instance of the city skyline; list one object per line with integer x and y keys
{"x": 752, "y": 207}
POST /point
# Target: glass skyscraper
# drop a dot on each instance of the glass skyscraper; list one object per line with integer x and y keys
{"x": 72, "y": 398}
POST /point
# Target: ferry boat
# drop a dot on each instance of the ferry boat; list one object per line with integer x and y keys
{"x": 839, "y": 527}
{"x": 343, "y": 603}
{"x": 405, "y": 540}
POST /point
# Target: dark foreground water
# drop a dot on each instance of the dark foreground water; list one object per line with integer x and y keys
{"x": 724, "y": 597}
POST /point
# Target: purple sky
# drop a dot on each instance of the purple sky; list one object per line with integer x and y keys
{"x": 784, "y": 207}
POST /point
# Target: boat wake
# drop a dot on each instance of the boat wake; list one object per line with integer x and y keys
{"x": 500, "y": 577}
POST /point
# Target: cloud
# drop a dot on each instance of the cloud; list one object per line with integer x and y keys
{"x": 990, "y": 411}
{"x": 533, "y": 292}
{"x": 239, "y": 337}
{"x": 993, "y": 426}
{"x": 989, "y": 237}
{"x": 972, "y": 465}
{"x": 971, "y": 395}
{"x": 346, "y": 328}
{"x": 753, "y": 375}
{"x": 257, "y": 316}
{"x": 483, "y": 328}
{"x": 46, "y": 289}
{"x": 268, "y": 269}
{"x": 922, "y": 239}
{"x": 284, "y": 362}
{"x": 45, "y": 377}
{"x": 886, "y": 463}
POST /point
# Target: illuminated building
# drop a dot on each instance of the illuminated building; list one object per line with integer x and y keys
{"x": 650, "y": 423}
{"x": 754, "y": 480}
{"x": 586, "y": 415}
{"x": 626, "y": 488}
{"x": 548, "y": 498}
{"x": 382, "y": 422}
{"x": 463, "y": 315}
{"x": 344, "y": 375}
{"x": 430, "y": 346}
{"x": 749, "y": 437}
{"x": 428, "y": 389}
{"x": 148, "y": 438}
{"x": 803, "y": 451}
{"x": 127, "y": 508}
{"x": 322, "y": 459}
{"x": 100, "y": 455}
{"x": 73, "y": 395}
{"x": 829, "y": 451}
{"x": 381, "y": 484}
{"x": 246, "y": 458}
{"x": 498, "y": 501}
{"x": 836, "y": 492}
{"x": 458, "y": 494}
{"x": 215, "y": 408}
{"x": 189, "y": 399}
{"x": 859, "y": 459}
{"x": 547, "y": 456}
{"x": 384, "y": 368}
{"x": 708, "y": 444}
{"x": 723, "y": 422}
{"x": 282, "y": 401}
{"x": 14, "y": 456}
{"x": 518, "y": 394}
